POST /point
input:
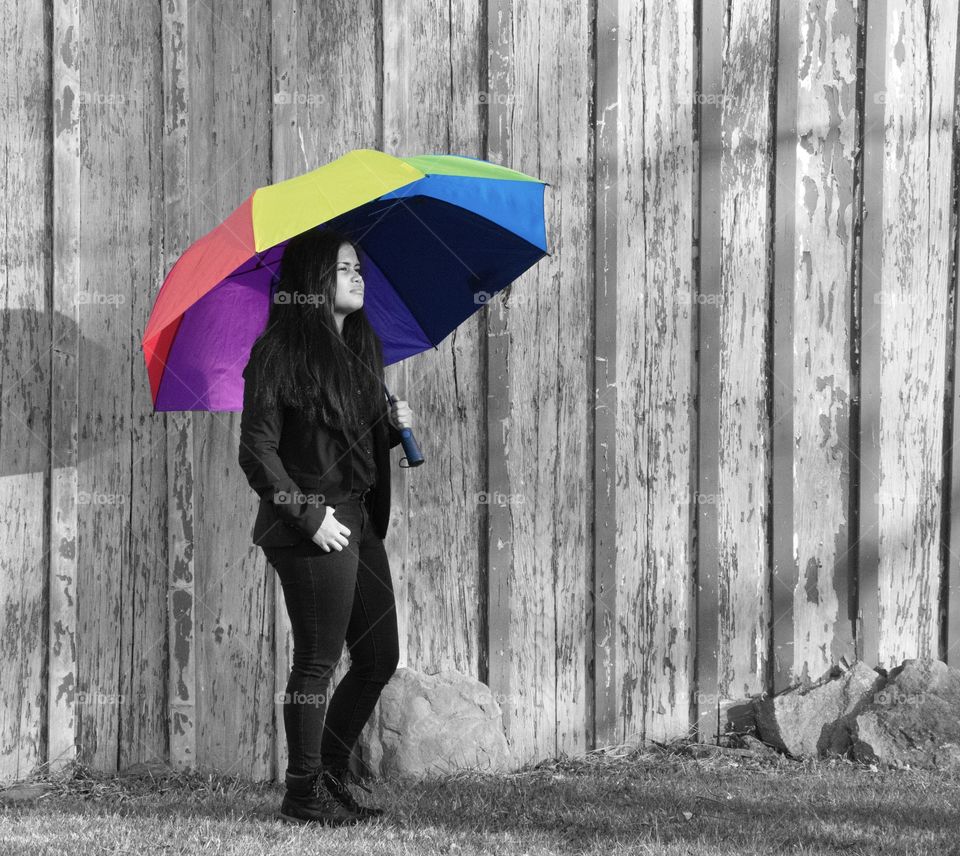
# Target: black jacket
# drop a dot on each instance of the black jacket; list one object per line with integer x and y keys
{"x": 297, "y": 469}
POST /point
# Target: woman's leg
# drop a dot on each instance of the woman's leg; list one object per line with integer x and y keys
{"x": 318, "y": 591}
{"x": 374, "y": 652}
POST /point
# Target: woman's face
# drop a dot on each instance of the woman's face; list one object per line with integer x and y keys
{"x": 349, "y": 297}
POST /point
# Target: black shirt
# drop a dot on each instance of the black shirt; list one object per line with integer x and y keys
{"x": 364, "y": 466}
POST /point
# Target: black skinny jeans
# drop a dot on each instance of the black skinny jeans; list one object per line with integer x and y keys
{"x": 331, "y": 598}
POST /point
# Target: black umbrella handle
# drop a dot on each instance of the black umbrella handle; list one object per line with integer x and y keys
{"x": 414, "y": 456}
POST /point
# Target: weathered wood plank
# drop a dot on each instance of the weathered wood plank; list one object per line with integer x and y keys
{"x": 819, "y": 212}
{"x": 62, "y": 619}
{"x": 538, "y": 124}
{"x": 181, "y": 616}
{"x": 228, "y": 117}
{"x": 668, "y": 181}
{"x": 745, "y": 276}
{"x": 431, "y": 104}
{"x": 553, "y": 383}
{"x": 950, "y": 598}
{"x": 782, "y": 591}
{"x": 326, "y": 102}
{"x": 867, "y": 338}
{"x": 500, "y": 552}
{"x": 25, "y": 365}
{"x": 707, "y": 225}
{"x": 654, "y": 370}
{"x": 602, "y": 680}
{"x": 917, "y": 176}
{"x": 143, "y": 635}
{"x": 119, "y": 538}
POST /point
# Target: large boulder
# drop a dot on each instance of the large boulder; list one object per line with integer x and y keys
{"x": 914, "y": 720}
{"x": 439, "y": 723}
{"x": 814, "y": 721}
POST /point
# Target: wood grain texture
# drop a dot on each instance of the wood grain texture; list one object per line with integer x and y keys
{"x": 143, "y": 631}
{"x": 500, "y": 550}
{"x": 325, "y": 103}
{"x": 25, "y": 378}
{"x": 538, "y": 113}
{"x": 120, "y": 572}
{"x": 654, "y": 370}
{"x": 228, "y": 116}
{"x": 431, "y": 104}
{"x": 66, "y": 188}
{"x": 950, "y": 594}
{"x": 917, "y": 174}
{"x": 744, "y": 441}
{"x": 821, "y": 207}
{"x": 867, "y": 336}
{"x": 602, "y": 683}
{"x": 782, "y": 394}
{"x": 181, "y": 617}
{"x": 707, "y": 225}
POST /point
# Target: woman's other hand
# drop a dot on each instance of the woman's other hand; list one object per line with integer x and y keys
{"x": 332, "y": 533}
{"x": 401, "y": 416}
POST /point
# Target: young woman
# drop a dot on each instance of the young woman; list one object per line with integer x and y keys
{"x": 314, "y": 438}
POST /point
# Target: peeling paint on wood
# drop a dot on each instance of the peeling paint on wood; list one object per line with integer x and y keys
{"x": 916, "y": 213}
{"x": 62, "y": 621}
{"x": 538, "y": 387}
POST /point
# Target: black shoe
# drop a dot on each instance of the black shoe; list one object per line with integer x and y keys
{"x": 336, "y": 781}
{"x": 308, "y": 801}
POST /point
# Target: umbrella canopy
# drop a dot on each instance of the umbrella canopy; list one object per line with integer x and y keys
{"x": 437, "y": 235}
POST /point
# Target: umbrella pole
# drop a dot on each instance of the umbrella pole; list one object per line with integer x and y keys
{"x": 414, "y": 456}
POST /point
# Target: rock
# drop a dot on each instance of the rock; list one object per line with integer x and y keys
{"x": 914, "y": 720}
{"x": 814, "y": 721}
{"x": 438, "y": 723}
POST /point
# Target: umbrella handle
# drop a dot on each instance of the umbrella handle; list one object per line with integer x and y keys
{"x": 414, "y": 456}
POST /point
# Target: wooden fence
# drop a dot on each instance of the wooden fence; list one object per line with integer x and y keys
{"x": 702, "y": 451}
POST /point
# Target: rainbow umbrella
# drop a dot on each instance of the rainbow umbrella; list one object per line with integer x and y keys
{"x": 438, "y": 236}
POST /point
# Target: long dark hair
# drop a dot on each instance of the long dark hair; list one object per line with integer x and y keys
{"x": 305, "y": 364}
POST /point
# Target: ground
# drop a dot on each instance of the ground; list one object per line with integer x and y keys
{"x": 669, "y": 800}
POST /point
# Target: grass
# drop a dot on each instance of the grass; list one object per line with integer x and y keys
{"x": 664, "y": 799}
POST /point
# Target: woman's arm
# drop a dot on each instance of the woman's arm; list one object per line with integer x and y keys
{"x": 259, "y": 438}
